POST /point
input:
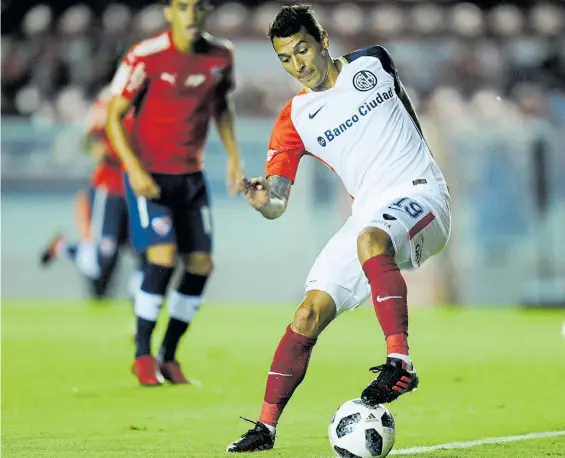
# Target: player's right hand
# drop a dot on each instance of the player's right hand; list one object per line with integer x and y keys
{"x": 143, "y": 184}
{"x": 255, "y": 190}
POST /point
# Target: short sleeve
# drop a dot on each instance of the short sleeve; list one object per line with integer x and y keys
{"x": 285, "y": 146}
{"x": 130, "y": 77}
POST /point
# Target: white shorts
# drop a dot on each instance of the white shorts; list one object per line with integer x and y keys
{"x": 418, "y": 226}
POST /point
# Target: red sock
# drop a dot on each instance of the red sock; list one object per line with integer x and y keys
{"x": 287, "y": 371}
{"x": 389, "y": 293}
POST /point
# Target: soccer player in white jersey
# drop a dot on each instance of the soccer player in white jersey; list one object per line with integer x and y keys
{"x": 354, "y": 116}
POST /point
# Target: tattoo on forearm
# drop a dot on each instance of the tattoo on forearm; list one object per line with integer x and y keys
{"x": 280, "y": 186}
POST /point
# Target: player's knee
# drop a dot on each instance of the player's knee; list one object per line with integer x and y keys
{"x": 314, "y": 314}
{"x": 162, "y": 255}
{"x": 372, "y": 242}
{"x": 199, "y": 264}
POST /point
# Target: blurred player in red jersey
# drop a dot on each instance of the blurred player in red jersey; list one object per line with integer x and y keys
{"x": 176, "y": 81}
{"x": 101, "y": 212}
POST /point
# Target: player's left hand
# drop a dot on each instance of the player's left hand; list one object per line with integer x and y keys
{"x": 256, "y": 191}
{"x": 233, "y": 172}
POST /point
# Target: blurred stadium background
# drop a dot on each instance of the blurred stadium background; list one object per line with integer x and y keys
{"x": 488, "y": 80}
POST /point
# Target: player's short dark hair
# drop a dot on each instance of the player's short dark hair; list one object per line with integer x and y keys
{"x": 291, "y": 19}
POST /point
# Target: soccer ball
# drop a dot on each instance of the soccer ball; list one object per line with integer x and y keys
{"x": 358, "y": 430}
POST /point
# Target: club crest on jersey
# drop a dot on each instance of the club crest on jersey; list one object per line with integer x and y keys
{"x": 162, "y": 225}
{"x": 364, "y": 80}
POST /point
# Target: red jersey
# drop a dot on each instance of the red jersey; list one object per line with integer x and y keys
{"x": 108, "y": 173}
{"x": 174, "y": 95}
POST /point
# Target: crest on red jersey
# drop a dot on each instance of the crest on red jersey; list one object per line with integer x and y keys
{"x": 162, "y": 225}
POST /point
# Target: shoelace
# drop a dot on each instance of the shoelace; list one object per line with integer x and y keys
{"x": 380, "y": 368}
{"x": 256, "y": 423}
{"x": 253, "y": 435}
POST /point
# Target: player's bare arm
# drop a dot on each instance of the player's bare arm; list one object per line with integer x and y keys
{"x": 141, "y": 181}
{"x": 117, "y": 110}
{"x": 224, "y": 115}
{"x": 268, "y": 196}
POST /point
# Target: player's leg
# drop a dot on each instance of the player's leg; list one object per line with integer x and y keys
{"x": 291, "y": 358}
{"x": 396, "y": 238}
{"x": 389, "y": 294}
{"x": 149, "y": 298}
{"x": 147, "y": 304}
{"x": 135, "y": 281}
{"x": 136, "y": 277}
{"x": 193, "y": 227}
{"x": 59, "y": 247}
{"x": 151, "y": 230}
{"x": 89, "y": 204}
{"x": 123, "y": 240}
{"x": 288, "y": 368}
{"x": 107, "y": 229}
{"x": 183, "y": 302}
{"x": 334, "y": 285}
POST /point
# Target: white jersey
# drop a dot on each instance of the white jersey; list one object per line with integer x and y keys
{"x": 361, "y": 130}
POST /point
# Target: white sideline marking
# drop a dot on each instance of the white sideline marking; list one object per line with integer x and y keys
{"x": 488, "y": 440}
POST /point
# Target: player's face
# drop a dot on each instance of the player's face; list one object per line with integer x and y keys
{"x": 187, "y": 17}
{"x": 304, "y": 57}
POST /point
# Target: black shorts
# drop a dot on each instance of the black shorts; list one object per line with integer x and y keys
{"x": 181, "y": 215}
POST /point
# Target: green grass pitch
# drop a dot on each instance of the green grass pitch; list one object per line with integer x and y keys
{"x": 67, "y": 389}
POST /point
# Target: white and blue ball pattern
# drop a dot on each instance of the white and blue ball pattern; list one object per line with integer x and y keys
{"x": 358, "y": 430}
